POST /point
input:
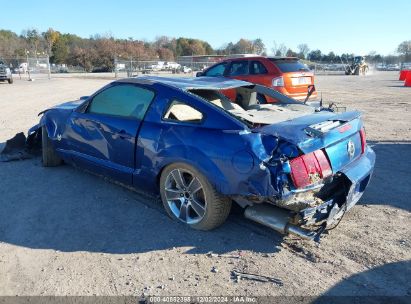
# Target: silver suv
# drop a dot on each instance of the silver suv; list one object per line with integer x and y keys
{"x": 5, "y": 73}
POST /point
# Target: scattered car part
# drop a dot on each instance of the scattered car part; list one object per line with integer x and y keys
{"x": 239, "y": 275}
{"x": 15, "y": 149}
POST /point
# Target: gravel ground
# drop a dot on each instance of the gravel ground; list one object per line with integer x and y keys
{"x": 67, "y": 232}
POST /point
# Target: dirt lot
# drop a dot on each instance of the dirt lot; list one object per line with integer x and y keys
{"x": 67, "y": 232}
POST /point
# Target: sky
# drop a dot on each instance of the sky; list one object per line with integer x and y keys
{"x": 335, "y": 25}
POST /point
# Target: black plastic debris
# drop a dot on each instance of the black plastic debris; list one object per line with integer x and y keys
{"x": 15, "y": 149}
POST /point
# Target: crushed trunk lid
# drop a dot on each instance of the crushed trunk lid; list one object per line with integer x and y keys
{"x": 337, "y": 134}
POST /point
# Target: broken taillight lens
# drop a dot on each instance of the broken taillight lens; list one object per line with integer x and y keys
{"x": 363, "y": 141}
{"x": 309, "y": 168}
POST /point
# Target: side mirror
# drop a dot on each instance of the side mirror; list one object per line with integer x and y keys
{"x": 84, "y": 97}
{"x": 199, "y": 74}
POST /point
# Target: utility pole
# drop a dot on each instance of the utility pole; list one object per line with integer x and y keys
{"x": 28, "y": 69}
{"x": 48, "y": 66}
{"x": 115, "y": 66}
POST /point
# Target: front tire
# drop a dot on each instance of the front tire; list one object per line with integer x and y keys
{"x": 10, "y": 80}
{"x": 188, "y": 197}
{"x": 49, "y": 156}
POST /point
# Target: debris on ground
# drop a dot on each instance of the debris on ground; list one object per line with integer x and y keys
{"x": 15, "y": 149}
{"x": 232, "y": 256}
{"x": 238, "y": 275}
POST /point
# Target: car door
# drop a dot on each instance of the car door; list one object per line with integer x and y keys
{"x": 259, "y": 74}
{"x": 102, "y": 136}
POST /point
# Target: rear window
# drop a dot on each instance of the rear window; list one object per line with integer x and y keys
{"x": 286, "y": 65}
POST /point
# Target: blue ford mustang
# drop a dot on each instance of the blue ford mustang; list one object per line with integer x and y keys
{"x": 294, "y": 167}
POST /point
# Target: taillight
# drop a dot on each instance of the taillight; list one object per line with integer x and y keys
{"x": 363, "y": 141}
{"x": 278, "y": 82}
{"x": 309, "y": 168}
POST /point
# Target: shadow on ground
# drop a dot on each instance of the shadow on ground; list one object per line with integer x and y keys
{"x": 384, "y": 284}
{"x": 69, "y": 210}
{"x": 391, "y": 181}
{"x": 66, "y": 209}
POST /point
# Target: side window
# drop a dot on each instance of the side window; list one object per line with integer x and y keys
{"x": 256, "y": 68}
{"x": 122, "y": 100}
{"x": 238, "y": 68}
{"x": 218, "y": 70}
{"x": 179, "y": 111}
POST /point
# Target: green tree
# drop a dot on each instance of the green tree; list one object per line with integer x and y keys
{"x": 291, "y": 53}
{"x": 258, "y": 46}
{"x": 51, "y": 36}
{"x": 405, "y": 49}
{"x": 330, "y": 57}
{"x": 303, "y": 50}
{"x": 10, "y": 44}
{"x": 243, "y": 46}
{"x": 33, "y": 39}
{"x": 60, "y": 51}
{"x": 315, "y": 55}
{"x": 279, "y": 49}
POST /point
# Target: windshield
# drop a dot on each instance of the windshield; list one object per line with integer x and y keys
{"x": 289, "y": 65}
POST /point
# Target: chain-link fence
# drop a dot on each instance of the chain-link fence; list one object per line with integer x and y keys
{"x": 29, "y": 67}
{"x": 327, "y": 68}
{"x": 133, "y": 67}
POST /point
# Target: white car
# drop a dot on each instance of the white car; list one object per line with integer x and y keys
{"x": 393, "y": 67}
{"x": 158, "y": 66}
{"x": 186, "y": 69}
{"x": 171, "y": 65}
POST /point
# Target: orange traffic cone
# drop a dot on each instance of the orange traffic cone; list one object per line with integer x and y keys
{"x": 407, "y": 82}
{"x": 403, "y": 74}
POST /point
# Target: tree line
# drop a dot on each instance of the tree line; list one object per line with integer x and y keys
{"x": 99, "y": 51}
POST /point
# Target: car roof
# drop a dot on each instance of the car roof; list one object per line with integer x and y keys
{"x": 189, "y": 83}
{"x": 256, "y": 57}
{"x": 283, "y": 58}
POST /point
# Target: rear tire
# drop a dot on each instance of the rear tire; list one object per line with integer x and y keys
{"x": 181, "y": 200}
{"x": 49, "y": 156}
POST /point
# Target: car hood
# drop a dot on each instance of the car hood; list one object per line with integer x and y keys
{"x": 66, "y": 106}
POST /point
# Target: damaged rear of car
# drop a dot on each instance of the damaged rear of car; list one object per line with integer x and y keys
{"x": 295, "y": 167}
{"x": 316, "y": 163}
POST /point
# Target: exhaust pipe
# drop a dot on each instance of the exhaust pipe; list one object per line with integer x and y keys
{"x": 278, "y": 219}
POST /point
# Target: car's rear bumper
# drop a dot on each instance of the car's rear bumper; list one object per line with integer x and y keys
{"x": 358, "y": 175}
{"x": 343, "y": 193}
